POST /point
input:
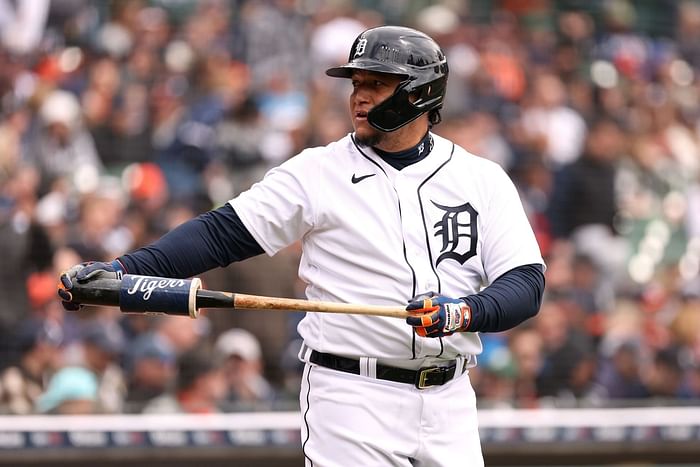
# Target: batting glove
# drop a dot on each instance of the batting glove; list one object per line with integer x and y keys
{"x": 85, "y": 272}
{"x": 437, "y": 315}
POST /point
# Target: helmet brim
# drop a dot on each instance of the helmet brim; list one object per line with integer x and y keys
{"x": 345, "y": 71}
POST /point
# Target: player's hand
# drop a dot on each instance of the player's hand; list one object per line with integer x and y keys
{"x": 437, "y": 315}
{"x": 85, "y": 272}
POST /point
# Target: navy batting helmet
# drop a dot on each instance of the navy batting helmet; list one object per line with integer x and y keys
{"x": 408, "y": 53}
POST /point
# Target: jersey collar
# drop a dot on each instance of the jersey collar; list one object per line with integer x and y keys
{"x": 402, "y": 159}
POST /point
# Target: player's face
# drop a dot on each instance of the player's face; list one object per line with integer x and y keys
{"x": 369, "y": 89}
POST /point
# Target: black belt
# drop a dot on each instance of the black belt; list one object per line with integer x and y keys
{"x": 422, "y": 378}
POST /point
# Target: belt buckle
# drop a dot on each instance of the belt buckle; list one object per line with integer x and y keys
{"x": 423, "y": 375}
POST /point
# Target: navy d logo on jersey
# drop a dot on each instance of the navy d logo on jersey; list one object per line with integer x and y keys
{"x": 458, "y": 231}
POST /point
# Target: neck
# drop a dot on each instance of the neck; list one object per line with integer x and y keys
{"x": 401, "y": 159}
{"x": 405, "y": 137}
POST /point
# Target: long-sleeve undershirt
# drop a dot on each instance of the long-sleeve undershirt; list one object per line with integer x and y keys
{"x": 219, "y": 238}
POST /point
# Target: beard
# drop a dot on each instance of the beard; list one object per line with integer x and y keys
{"x": 371, "y": 139}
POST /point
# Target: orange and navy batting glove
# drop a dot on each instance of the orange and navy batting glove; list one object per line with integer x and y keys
{"x": 436, "y": 315}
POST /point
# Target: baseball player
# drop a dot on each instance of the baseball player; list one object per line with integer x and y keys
{"x": 389, "y": 214}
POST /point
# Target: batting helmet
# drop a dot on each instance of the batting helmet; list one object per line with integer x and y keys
{"x": 408, "y": 53}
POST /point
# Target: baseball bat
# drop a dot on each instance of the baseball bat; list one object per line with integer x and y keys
{"x": 146, "y": 294}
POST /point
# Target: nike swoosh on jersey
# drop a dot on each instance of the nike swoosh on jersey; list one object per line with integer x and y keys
{"x": 356, "y": 179}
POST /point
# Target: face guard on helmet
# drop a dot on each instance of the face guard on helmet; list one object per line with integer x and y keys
{"x": 407, "y": 53}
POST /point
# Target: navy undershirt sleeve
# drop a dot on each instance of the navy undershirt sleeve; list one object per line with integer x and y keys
{"x": 508, "y": 301}
{"x": 218, "y": 238}
{"x": 214, "y": 239}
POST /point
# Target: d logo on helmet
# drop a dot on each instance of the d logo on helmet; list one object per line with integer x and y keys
{"x": 360, "y": 49}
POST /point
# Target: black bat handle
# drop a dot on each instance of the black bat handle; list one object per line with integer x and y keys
{"x": 214, "y": 299}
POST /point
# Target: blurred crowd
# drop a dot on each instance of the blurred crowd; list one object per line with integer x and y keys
{"x": 121, "y": 119}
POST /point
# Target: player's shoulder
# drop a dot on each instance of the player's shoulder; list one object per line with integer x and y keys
{"x": 315, "y": 161}
{"x": 320, "y": 154}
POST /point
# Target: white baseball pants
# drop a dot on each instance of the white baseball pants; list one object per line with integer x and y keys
{"x": 351, "y": 420}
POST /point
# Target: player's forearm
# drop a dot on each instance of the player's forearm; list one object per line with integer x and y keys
{"x": 213, "y": 239}
{"x": 508, "y": 301}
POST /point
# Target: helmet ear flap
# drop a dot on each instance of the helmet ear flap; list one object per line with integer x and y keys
{"x": 395, "y": 111}
{"x": 430, "y": 95}
{"x": 407, "y": 104}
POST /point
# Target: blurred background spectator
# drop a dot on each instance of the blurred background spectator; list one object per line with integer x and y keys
{"x": 71, "y": 391}
{"x": 39, "y": 356}
{"x": 150, "y": 361}
{"x": 121, "y": 119}
{"x": 200, "y": 386}
{"x": 98, "y": 347}
{"x": 150, "y": 367}
{"x": 243, "y": 369}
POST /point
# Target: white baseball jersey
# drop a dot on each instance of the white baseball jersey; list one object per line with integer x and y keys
{"x": 450, "y": 223}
